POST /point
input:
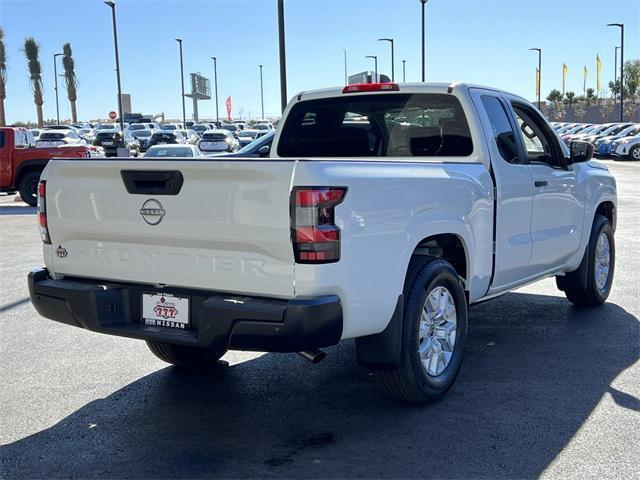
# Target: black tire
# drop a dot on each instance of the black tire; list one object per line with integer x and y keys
{"x": 591, "y": 295}
{"x": 28, "y": 187}
{"x": 184, "y": 356}
{"x": 634, "y": 153}
{"x": 410, "y": 382}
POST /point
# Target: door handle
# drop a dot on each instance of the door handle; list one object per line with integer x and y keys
{"x": 541, "y": 183}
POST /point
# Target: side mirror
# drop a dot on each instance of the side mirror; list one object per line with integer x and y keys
{"x": 580, "y": 152}
{"x": 264, "y": 150}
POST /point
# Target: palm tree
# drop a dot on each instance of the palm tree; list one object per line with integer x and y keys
{"x": 70, "y": 79}
{"x": 31, "y": 50}
{"x": 3, "y": 78}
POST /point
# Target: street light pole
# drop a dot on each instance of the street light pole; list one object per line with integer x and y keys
{"x": 215, "y": 83}
{"x": 55, "y": 73}
{"x": 283, "y": 60}
{"x": 621, "y": 25}
{"x": 261, "y": 94}
{"x": 390, "y": 40}
{"x": 423, "y": 2}
{"x": 184, "y": 112}
{"x": 404, "y": 76}
{"x": 539, "y": 79}
{"x": 112, "y": 4}
{"x": 346, "y": 81}
{"x": 375, "y": 60}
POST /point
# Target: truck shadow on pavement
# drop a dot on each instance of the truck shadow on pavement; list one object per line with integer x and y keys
{"x": 535, "y": 369}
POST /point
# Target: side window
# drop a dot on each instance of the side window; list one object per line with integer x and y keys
{"x": 1, "y": 139}
{"x": 502, "y": 130}
{"x": 539, "y": 146}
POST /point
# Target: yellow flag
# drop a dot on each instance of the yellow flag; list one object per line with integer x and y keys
{"x": 537, "y": 82}
{"x": 598, "y": 68}
{"x": 564, "y": 76}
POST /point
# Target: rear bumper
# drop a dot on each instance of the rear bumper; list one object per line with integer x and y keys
{"x": 217, "y": 320}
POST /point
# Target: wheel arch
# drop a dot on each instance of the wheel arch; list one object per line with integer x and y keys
{"x": 29, "y": 166}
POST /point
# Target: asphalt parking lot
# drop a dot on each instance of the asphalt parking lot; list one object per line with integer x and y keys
{"x": 546, "y": 390}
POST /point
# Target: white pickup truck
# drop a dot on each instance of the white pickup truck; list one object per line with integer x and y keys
{"x": 382, "y": 213}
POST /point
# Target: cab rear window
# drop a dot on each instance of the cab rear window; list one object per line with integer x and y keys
{"x": 380, "y": 125}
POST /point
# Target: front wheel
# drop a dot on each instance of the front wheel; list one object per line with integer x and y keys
{"x": 599, "y": 258}
{"x": 184, "y": 356}
{"x": 634, "y": 153}
{"x": 434, "y": 329}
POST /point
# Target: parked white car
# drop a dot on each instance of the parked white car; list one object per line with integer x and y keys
{"x": 627, "y": 147}
{"x": 384, "y": 212}
{"x": 173, "y": 150}
{"x": 56, "y": 138}
{"x": 216, "y": 141}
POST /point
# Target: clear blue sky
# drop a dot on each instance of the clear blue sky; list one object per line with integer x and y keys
{"x": 475, "y": 41}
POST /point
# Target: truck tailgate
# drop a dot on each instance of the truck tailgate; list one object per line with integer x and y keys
{"x": 227, "y": 229}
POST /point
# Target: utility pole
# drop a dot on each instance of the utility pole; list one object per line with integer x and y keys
{"x": 390, "y": 40}
{"x": 621, "y": 25}
{"x": 184, "y": 112}
{"x": 346, "y": 81}
{"x": 283, "y": 60}
{"x": 375, "y": 63}
{"x": 404, "y": 76}
{"x": 112, "y": 4}
{"x": 261, "y": 93}
{"x": 423, "y": 2}
{"x": 539, "y": 79}
{"x": 55, "y": 74}
{"x": 215, "y": 83}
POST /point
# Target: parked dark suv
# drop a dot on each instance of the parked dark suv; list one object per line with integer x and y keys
{"x": 111, "y": 140}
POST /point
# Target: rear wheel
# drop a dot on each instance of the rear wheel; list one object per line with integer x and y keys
{"x": 634, "y": 153}
{"x": 183, "y": 356}
{"x": 434, "y": 331}
{"x": 28, "y": 188}
{"x": 600, "y": 265}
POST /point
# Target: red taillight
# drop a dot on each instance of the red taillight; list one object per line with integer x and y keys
{"x": 42, "y": 212}
{"x": 371, "y": 87}
{"x": 315, "y": 236}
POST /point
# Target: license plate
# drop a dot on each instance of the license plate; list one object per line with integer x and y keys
{"x": 107, "y": 144}
{"x": 163, "y": 310}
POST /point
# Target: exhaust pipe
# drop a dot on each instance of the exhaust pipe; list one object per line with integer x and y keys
{"x": 314, "y": 356}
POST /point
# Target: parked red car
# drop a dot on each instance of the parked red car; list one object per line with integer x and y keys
{"x": 21, "y": 162}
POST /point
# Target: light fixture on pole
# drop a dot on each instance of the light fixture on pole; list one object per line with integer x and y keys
{"x": 184, "y": 111}
{"x": 424, "y": 67}
{"x": 55, "y": 73}
{"x": 112, "y": 5}
{"x": 390, "y": 40}
{"x": 621, "y": 25}
{"x": 539, "y": 76}
{"x": 375, "y": 63}
{"x": 261, "y": 94}
{"x": 215, "y": 86}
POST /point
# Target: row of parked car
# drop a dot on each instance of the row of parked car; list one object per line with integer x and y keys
{"x": 617, "y": 140}
{"x": 109, "y": 139}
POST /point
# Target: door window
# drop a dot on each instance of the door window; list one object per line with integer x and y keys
{"x": 539, "y": 145}
{"x": 502, "y": 131}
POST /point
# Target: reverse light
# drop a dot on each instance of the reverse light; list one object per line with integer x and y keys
{"x": 42, "y": 212}
{"x": 314, "y": 234}
{"x": 371, "y": 87}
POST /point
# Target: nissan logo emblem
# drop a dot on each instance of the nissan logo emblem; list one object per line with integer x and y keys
{"x": 152, "y": 211}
